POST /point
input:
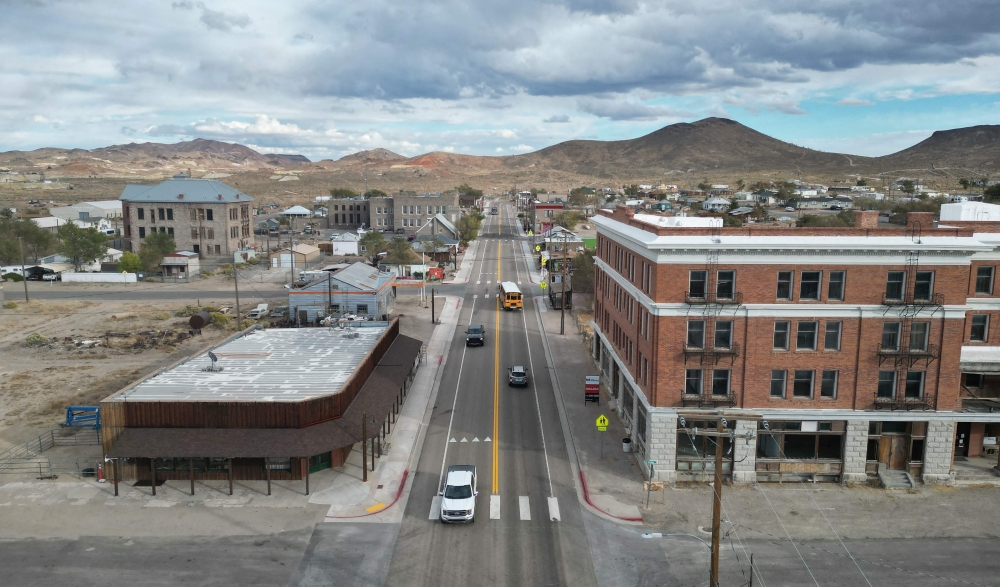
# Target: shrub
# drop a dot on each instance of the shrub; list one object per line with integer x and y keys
{"x": 160, "y": 316}
{"x": 12, "y": 277}
{"x": 219, "y": 319}
{"x": 10, "y": 305}
{"x": 36, "y": 339}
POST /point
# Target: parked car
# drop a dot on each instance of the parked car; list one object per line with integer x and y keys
{"x": 307, "y": 230}
{"x": 475, "y": 335}
{"x": 410, "y": 237}
{"x": 789, "y": 209}
{"x": 279, "y": 312}
{"x": 517, "y": 375}
{"x": 458, "y": 498}
{"x": 836, "y": 207}
{"x": 259, "y": 312}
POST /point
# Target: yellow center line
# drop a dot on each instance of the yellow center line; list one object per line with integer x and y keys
{"x": 496, "y": 389}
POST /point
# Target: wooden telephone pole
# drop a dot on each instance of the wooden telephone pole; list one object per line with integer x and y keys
{"x": 717, "y": 506}
{"x": 562, "y": 300}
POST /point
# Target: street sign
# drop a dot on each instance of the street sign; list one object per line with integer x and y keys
{"x": 537, "y": 248}
{"x": 650, "y": 462}
{"x": 602, "y": 423}
{"x": 592, "y": 389}
{"x": 543, "y": 285}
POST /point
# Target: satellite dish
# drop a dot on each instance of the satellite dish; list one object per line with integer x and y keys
{"x": 214, "y": 358}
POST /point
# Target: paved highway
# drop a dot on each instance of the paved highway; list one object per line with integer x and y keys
{"x": 529, "y": 525}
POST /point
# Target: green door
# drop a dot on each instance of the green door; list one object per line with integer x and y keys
{"x": 319, "y": 462}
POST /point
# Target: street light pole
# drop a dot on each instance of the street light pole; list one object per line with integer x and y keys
{"x": 24, "y": 275}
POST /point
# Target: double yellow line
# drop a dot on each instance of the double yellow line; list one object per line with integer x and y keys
{"x": 496, "y": 386}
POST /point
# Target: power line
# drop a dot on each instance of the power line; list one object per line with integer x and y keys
{"x": 789, "y": 537}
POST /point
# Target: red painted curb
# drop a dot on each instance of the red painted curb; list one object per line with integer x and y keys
{"x": 586, "y": 496}
{"x": 399, "y": 493}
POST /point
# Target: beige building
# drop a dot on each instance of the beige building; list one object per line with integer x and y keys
{"x": 205, "y": 216}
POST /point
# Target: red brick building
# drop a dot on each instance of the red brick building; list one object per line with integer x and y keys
{"x": 843, "y": 348}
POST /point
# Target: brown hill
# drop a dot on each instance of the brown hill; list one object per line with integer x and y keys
{"x": 970, "y": 148}
{"x": 712, "y": 144}
{"x": 371, "y": 156}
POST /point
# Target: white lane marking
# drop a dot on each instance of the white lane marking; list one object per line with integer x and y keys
{"x": 477, "y": 283}
{"x": 463, "y": 440}
{"x": 538, "y": 410}
{"x": 494, "y": 507}
{"x": 519, "y": 283}
{"x": 451, "y": 418}
{"x": 488, "y": 282}
{"x": 476, "y": 439}
{"x": 554, "y": 509}
{"x": 475, "y": 296}
{"x": 453, "y": 440}
{"x": 487, "y": 439}
{"x": 525, "y": 509}
{"x": 435, "y": 508}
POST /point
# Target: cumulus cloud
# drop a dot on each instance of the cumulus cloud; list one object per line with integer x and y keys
{"x": 423, "y": 75}
{"x": 854, "y": 102}
{"x": 625, "y": 110}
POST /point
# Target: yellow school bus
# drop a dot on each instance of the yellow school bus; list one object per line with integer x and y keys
{"x": 510, "y": 295}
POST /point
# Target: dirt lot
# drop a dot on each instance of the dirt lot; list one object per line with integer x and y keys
{"x": 93, "y": 349}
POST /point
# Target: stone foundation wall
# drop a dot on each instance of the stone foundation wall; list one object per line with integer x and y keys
{"x": 855, "y": 453}
{"x": 662, "y": 447}
{"x": 745, "y": 455}
{"x": 939, "y": 452}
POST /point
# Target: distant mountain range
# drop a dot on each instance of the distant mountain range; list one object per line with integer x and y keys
{"x": 712, "y": 146}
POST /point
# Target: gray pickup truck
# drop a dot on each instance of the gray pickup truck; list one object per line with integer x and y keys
{"x": 475, "y": 335}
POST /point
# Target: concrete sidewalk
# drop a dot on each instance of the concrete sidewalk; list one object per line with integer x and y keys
{"x": 807, "y": 511}
{"x": 383, "y": 498}
{"x": 465, "y": 266}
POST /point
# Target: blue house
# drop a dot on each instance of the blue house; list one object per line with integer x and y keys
{"x": 358, "y": 289}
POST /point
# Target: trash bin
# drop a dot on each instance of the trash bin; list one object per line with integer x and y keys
{"x": 626, "y": 445}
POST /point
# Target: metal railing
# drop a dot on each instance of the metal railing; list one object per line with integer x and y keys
{"x": 907, "y": 355}
{"x": 50, "y": 467}
{"x": 902, "y": 402}
{"x": 710, "y": 297}
{"x": 710, "y": 354}
{"x": 709, "y": 400}
{"x": 908, "y": 299}
{"x": 31, "y": 449}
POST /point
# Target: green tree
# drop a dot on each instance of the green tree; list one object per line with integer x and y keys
{"x": 82, "y": 246}
{"x": 704, "y": 185}
{"x": 848, "y": 216}
{"x": 865, "y": 203}
{"x": 965, "y": 183}
{"x": 468, "y": 227}
{"x": 907, "y": 187}
{"x": 466, "y": 189}
{"x": 566, "y": 219}
{"x": 631, "y": 190}
{"x": 399, "y": 251}
{"x": 583, "y": 271}
{"x": 130, "y": 262}
{"x": 154, "y": 247}
{"x": 728, "y": 220}
{"x": 582, "y": 196}
{"x": 37, "y": 241}
{"x": 740, "y": 184}
{"x": 374, "y": 244}
{"x": 374, "y": 193}
{"x": 992, "y": 194}
{"x": 812, "y": 220}
{"x": 343, "y": 193}
{"x": 861, "y": 182}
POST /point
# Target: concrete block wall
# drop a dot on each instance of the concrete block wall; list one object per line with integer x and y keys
{"x": 662, "y": 432}
{"x": 855, "y": 453}
{"x": 745, "y": 455}
{"x": 938, "y": 453}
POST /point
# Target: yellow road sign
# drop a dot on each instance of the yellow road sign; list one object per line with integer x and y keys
{"x": 602, "y": 423}
{"x": 543, "y": 285}
{"x": 537, "y": 248}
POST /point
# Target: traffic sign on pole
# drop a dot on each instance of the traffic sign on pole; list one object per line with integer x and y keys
{"x": 602, "y": 423}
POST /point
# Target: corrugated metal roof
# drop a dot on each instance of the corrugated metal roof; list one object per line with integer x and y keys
{"x": 276, "y": 364}
{"x": 359, "y": 275}
{"x": 194, "y": 190}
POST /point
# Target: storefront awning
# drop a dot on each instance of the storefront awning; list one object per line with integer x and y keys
{"x": 980, "y": 359}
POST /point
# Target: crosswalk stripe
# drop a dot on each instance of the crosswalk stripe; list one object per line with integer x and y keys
{"x": 435, "y": 508}
{"x": 554, "y": 509}
{"x": 494, "y": 507}
{"x": 488, "y": 282}
{"x": 524, "y": 507}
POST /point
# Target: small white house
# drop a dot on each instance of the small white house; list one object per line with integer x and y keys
{"x": 715, "y": 205}
{"x": 182, "y": 265}
{"x": 345, "y": 244}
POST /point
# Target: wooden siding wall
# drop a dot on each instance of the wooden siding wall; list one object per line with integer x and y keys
{"x": 205, "y": 414}
{"x": 243, "y": 470}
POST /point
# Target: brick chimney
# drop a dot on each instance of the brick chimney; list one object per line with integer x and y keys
{"x": 866, "y": 219}
{"x": 925, "y": 219}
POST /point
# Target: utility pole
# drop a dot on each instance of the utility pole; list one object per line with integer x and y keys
{"x": 433, "y": 320}
{"x": 329, "y": 291}
{"x": 24, "y": 275}
{"x": 562, "y": 300}
{"x": 717, "y": 506}
{"x": 291, "y": 249}
{"x": 236, "y": 282}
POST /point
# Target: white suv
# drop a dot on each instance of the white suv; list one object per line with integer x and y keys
{"x": 458, "y": 501}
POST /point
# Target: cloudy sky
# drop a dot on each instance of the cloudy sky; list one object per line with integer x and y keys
{"x": 328, "y": 77}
